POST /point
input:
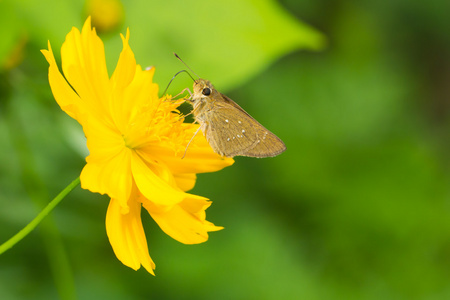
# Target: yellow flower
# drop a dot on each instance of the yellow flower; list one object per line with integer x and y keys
{"x": 106, "y": 15}
{"x": 136, "y": 141}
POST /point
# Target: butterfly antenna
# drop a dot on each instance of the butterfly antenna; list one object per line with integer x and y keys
{"x": 176, "y": 55}
{"x": 174, "y": 78}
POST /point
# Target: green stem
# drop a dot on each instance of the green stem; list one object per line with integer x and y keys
{"x": 32, "y": 225}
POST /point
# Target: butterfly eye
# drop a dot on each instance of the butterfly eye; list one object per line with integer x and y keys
{"x": 206, "y": 91}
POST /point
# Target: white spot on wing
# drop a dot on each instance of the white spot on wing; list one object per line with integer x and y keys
{"x": 228, "y": 139}
{"x": 226, "y": 120}
{"x": 239, "y": 122}
{"x": 243, "y": 130}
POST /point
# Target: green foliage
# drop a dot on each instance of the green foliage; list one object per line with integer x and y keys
{"x": 226, "y": 41}
{"x": 356, "y": 208}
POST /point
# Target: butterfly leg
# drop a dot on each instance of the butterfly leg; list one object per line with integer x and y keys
{"x": 191, "y": 112}
{"x": 200, "y": 127}
{"x": 180, "y": 93}
{"x": 184, "y": 90}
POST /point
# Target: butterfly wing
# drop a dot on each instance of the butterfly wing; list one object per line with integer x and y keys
{"x": 231, "y": 131}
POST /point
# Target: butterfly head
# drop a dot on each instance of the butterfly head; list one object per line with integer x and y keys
{"x": 203, "y": 90}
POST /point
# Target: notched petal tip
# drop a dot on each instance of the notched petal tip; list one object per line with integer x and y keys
{"x": 48, "y": 53}
{"x": 126, "y": 38}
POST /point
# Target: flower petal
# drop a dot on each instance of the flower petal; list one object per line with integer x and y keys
{"x": 104, "y": 142}
{"x": 141, "y": 92}
{"x": 111, "y": 177}
{"x": 126, "y": 66}
{"x": 185, "y": 182}
{"x": 63, "y": 93}
{"x": 122, "y": 77}
{"x": 200, "y": 158}
{"x": 185, "y": 222}
{"x": 84, "y": 65}
{"x": 130, "y": 102}
{"x": 127, "y": 237}
{"x": 152, "y": 186}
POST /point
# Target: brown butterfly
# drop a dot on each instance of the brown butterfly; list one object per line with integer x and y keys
{"x": 230, "y": 130}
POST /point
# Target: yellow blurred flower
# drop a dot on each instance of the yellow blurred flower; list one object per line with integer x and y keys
{"x": 106, "y": 15}
{"x": 136, "y": 141}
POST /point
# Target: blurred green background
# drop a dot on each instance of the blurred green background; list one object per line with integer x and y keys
{"x": 356, "y": 208}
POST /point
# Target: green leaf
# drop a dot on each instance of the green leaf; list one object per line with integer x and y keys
{"x": 227, "y": 42}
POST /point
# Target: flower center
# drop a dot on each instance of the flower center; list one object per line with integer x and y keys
{"x": 156, "y": 125}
